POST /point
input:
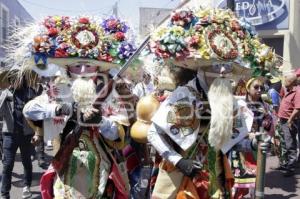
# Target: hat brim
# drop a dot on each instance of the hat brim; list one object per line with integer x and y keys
{"x": 48, "y": 71}
{"x": 237, "y": 72}
{"x": 64, "y": 62}
{"x": 204, "y": 64}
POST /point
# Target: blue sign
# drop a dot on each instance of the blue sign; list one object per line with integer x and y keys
{"x": 263, "y": 14}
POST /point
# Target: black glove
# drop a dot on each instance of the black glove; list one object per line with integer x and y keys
{"x": 265, "y": 142}
{"x": 189, "y": 167}
{"x": 63, "y": 109}
{"x": 92, "y": 116}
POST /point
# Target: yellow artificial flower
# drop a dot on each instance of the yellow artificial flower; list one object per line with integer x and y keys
{"x": 177, "y": 30}
{"x": 202, "y": 13}
{"x": 93, "y": 26}
{"x": 57, "y": 18}
{"x": 159, "y": 33}
{"x": 204, "y": 52}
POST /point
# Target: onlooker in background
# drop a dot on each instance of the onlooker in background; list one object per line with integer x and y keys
{"x": 5, "y": 115}
{"x": 288, "y": 111}
{"x": 144, "y": 87}
{"x": 19, "y": 136}
{"x": 274, "y": 86}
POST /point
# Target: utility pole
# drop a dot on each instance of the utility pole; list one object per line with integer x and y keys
{"x": 231, "y": 5}
{"x": 115, "y": 9}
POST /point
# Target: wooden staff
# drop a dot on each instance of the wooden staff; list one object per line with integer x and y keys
{"x": 261, "y": 168}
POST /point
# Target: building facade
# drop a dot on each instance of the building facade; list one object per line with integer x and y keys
{"x": 12, "y": 14}
{"x": 150, "y": 18}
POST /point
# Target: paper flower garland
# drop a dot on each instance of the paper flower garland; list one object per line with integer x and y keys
{"x": 84, "y": 37}
{"x": 182, "y": 18}
{"x": 222, "y": 44}
{"x": 211, "y": 34}
{"x": 172, "y": 44}
{"x": 114, "y": 25}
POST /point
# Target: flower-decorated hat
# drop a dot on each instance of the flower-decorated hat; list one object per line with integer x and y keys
{"x": 200, "y": 38}
{"x": 62, "y": 40}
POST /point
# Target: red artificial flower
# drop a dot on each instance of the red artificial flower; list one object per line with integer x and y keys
{"x": 120, "y": 36}
{"x": 84, "y": 20}
{"x": 105, "y": 57}
{"x": 60, "y": 53}
{"x": 161, "y": 53}
{"x": 175, "y": 17}
{"x": 112, "y": 24}
{"x": 235, "y": 26}
{"x": 52, "y": 32}
{"x": 194, "y": 41}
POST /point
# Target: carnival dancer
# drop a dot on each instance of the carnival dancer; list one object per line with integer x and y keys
{"x": 219, "y": 44}
{"x": 146, "y": 108}
{"x": 84, "y": 165}
{"x": 173, "y": 131}
{"x": 113, "y": 114}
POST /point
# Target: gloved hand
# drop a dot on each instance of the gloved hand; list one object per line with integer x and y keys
{"x": 63, "y": 109}
{"x": 92, "y": 116}
{"x": 265, "y": 142}
{"x": 189, "y": 167}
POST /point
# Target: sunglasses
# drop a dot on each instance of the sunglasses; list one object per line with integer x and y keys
{"x": 256, "y": 87}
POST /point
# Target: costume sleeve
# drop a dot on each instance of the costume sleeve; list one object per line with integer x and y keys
{"x": 159, "y": 143}
{"x": 245, "y": 145}
{"x": 35, "y": 110}
{"x": 109, "y": 129}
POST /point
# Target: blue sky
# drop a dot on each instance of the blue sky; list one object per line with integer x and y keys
{"x": 128, "y": 9}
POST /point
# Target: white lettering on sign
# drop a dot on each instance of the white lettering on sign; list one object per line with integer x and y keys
{"x": 258, "y": 12}
{"x": 242, "y": 6}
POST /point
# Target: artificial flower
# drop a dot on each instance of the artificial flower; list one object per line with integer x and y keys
{"x": 52, "y": 32}
{"x": 119, "y": 36}
{"x": 113, "y": 25}
{"x": 84, "y": 20}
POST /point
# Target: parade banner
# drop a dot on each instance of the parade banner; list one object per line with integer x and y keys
{"x": 263, "y": 14}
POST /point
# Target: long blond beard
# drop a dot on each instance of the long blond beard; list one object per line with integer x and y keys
{"x": 84, "y": 92}
{"x": 221, "y": 103}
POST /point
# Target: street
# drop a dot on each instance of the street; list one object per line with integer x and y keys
{"x": 277, "y": 186}
{"x": 17, "y": 183}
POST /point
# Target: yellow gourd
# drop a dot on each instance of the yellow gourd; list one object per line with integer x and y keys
{"x": 145, "y": 109}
